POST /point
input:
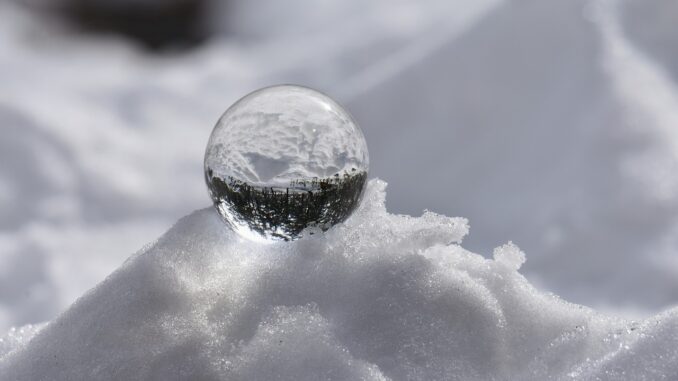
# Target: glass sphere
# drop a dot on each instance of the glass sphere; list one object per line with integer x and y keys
{"x": 285, "y": 161}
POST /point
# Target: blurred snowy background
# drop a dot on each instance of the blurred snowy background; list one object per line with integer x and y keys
{"x": 550, "y": 123}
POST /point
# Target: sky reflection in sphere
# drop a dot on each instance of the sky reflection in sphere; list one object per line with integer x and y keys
{"x": 283, "y": 159}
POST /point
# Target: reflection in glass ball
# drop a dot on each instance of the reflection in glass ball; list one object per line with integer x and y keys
{"x": 285, "y": 161}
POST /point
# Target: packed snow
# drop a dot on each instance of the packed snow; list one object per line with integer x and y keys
{"x": 380, "y": 297}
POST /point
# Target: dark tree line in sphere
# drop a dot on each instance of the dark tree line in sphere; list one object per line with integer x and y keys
{"x": 284, "y": 212}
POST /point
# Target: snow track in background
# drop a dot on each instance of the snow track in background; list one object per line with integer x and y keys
{"x": 459, "y": 16}
{"x": 649, "y": 100}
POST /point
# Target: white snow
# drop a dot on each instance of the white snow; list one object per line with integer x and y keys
{"x": 17, "y": 337}
{"x": 510, "y": 255}
{"x": 549, "y": 123}
{"x": 380, "y": 297}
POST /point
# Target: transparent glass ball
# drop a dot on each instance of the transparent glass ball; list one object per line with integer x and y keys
{"x": 285, "y": 161}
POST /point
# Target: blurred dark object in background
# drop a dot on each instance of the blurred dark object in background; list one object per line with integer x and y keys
{"x": 155, "y": 24}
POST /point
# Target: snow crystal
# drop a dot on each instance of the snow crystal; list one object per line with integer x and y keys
{"x": 510, "y": 255}
{"x": 379, "y": 297}
{"x": 17, "y": 337}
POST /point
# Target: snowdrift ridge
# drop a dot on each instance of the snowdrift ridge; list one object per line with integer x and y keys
{"x": 380, "y": 297}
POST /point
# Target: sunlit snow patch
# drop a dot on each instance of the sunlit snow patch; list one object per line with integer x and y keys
{"x": 379, "y": 297}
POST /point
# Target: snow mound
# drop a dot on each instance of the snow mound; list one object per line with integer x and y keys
{"x": 17, "y": 337}
{"x": 379, "y": 297}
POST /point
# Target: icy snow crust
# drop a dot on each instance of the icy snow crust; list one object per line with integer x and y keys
{"x": 380, "y": 297}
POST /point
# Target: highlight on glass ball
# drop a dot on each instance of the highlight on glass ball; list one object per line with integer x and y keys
{"x": 284, "y": 162}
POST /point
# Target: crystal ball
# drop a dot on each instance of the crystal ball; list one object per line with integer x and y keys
{"x": 284, "y": 162}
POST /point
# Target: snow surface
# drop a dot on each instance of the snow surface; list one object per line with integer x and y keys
{"x": 380, "y": 297}
{"x": 548, "y": 123}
